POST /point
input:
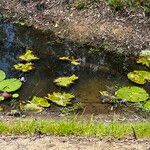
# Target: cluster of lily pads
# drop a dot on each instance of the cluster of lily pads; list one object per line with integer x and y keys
{"x": 134, "y": 94}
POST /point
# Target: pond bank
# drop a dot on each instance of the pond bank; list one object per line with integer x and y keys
{"x": 96, "y": 25}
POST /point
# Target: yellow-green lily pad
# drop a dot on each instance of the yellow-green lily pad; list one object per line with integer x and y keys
{"x": 2, "y": 75}
{"x": 132, "y": 94}
{"x": 31, "y": 107}
{"x": 61, "y": 99}
{"x": 28, "y": 56}
{"x": 139, "y": 77}
{"x": 24, "y": 67}
{"x": 147, "y": 105}
{"x": 65, "y": 81}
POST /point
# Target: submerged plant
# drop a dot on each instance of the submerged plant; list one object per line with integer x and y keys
{"x": 24, "y": 67}
{"x": 132, "y": 94}
{"x": 28, "y": 56}
{"x": 39, "y": 101}
{"x": 2, "y": 75}
{"x": 139, "y": 77}
{"x": 72, "y": 60}
{"x": 61, "y": 99}
{"x": 65, "y": 81}
{"x": 144, "y": 58}
{"x": 10, "y": 85}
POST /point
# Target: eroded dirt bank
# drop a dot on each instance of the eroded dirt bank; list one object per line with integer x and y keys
{"x": 97, "y": 24}
{"x": 70, "y": 143}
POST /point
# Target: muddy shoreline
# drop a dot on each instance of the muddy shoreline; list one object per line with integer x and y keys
{"x": 97, "y": 25}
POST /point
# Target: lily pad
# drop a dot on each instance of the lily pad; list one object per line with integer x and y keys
{"x": 24, "y": 67}
{"x": 32, "y": 107}
{"x": 144, "y": 58}
{"x": 61, "y": 99}
{"x": 132, "y": 94}
{"x": 139, "y": 77}
{"x": 10, "y": 85}
{"x": 2, "y": 75}
{"x": 72, "y": 60}
{"x": 147, "y": 105}
{"x": 15, "y": 95}
{"x": 65, "y": 81}
{"x": 42, "y": 102}
{"x": 28, "y": 56}
{"x": 2, "y": 98}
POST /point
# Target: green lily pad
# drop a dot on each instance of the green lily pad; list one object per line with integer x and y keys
{"x": 32, "y": 107}
{"x": 132, "y": 94}
{"x": 72, "y": 60}
{"x": 2, "y": 98}
{"x": 15, "y": 95}
{"x": 144, "y": 58}
{"x": 147, "y": 105}
{"x": 40, "y": 101}
{"x": 24, "y": 67}
{"x": 139, "y": 77}
{"x": 10, "y": 85}
{"x": 2, "y": 75}
{"x": 61, "y": 99}
{"x": 28, "y": 56}
{"x": 65, "y": 81}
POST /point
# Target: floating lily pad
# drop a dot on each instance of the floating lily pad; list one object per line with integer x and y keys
{"x": 72, "y": 60}
{"x": 32, "y": 107}
{"x": 24, "y": 67}
{"x": 2, "y": 98}
{"x": 132, "y": 94}
{"x": 2, "y": 75}
{"x": 61, "y": 99}
{"x": 139, "y": 77}
{"x": 65, "y": 81}
{"x": 144, "y": 58}
{"x": 10, "y": 85}
{"x": 40, "y": 101}
{"x": 28, "y": 56}
{"x": 147, "y": 105}
{"x": 15, "y": 95}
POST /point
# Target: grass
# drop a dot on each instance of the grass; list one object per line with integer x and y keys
{"x": 75, "y": 127}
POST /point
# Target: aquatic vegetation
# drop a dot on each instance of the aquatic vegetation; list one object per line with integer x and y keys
{"x": 10, "y": 85}
{"x": 61, "y": 99}
{"x": 15, "y": 95}
{"x": 2, "y": 98}
{"x": 65, "y": 81}
{"x": 31, "y": 107}
{"x": 147, "y": 105}
{"x": 39, "y": 101}
{"x": 132, "y": 94}
{"x": 72, "y": 60}
{"x": 2, "y": 75}
{"x": 21, "y": 22}
{"x": 28, "y": 56}
{"x": 24, "y": 67}
{"x": 144, "y": 58}
{"x": 139, "y": 77}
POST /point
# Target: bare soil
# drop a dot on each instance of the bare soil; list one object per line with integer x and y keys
{"x": 70, "y": 143}
{"x": 96, "y": 24}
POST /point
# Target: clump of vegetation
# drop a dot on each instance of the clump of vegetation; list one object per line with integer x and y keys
{"x": 24, "y": 67}
{"x": 80, "y": 4}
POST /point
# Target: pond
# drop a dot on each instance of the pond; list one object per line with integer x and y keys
{"x": 95, "y": 72}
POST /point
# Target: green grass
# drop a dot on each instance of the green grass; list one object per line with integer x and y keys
{"x": 74, "y": 127}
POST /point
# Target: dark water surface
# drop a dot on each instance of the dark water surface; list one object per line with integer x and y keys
{"x": 94, "y": 72}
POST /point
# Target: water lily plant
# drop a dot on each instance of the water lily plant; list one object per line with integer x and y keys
{"x": 24, "y": 67}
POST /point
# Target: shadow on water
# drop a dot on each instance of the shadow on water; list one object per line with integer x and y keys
{"x": 95, "y": 74}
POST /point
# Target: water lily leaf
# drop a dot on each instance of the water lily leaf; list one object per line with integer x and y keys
{"x": 10, "y": 85}
{"x": 15, "y": 95}
{"x": 40, "y": 101}
{"x": 61, "y": 99}
{"x": 139, "y": 77}
{"x": 2, "y": 98}
{"x": 147, "y": 105}
{"x": 24, "y": 67}
{"x": 144, "y": 58}
{"x": 2, "y": 75}
{"x": 72, "y": 60}
{"x": 65, "y": 81}
{"x": 28, "y": 56}
{"x": 32, "y": 107}
{"x": 132, "y": 94}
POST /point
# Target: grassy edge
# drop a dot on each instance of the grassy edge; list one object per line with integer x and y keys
{"x": 75, "y": 127}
